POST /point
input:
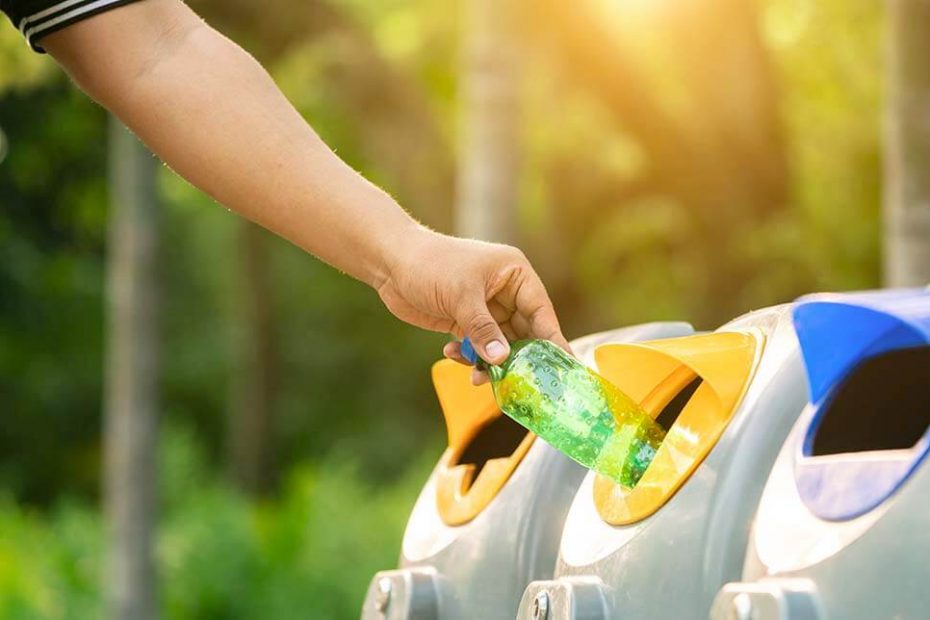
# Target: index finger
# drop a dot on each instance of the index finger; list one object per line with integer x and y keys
{"x": 534, "y": 306}
{"x": 453, "y": 350}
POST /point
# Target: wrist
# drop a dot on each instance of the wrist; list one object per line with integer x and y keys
{"x": 398, "y": 249}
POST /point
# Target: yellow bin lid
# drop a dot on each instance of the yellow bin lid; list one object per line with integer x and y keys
{"x": 653, "y": 373}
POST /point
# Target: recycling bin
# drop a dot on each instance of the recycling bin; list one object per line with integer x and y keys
{"x": 842, "y": 525}
{"x": 488, "y": 520}
{"x": 664, "y": 548}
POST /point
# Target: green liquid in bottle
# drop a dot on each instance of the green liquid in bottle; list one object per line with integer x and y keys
{"x": 575, "y": 410}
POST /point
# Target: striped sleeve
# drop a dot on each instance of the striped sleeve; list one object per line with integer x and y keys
{"x": 37, "y": 18}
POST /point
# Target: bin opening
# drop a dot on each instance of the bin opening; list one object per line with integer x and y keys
{"x": 883, "y": 404}
{"x": 499, "y": 438}
{"x": 669, "y": 414}
{"x": 868, "y": 435}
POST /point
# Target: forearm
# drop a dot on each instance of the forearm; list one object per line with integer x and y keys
{"x": 215, "y": 116}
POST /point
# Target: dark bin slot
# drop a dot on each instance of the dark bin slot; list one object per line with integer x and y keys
{"x": 497, "y": 439}
{"x": 673, "y": 409}
{"x": 884, "y": 404}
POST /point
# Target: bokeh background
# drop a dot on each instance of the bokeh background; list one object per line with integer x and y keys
{"x": 663, "y": 160}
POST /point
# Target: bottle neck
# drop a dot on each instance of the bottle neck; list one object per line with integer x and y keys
{"x": 495, "y": 372}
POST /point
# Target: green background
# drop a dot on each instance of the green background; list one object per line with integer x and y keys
{"x": 357, "y": 426}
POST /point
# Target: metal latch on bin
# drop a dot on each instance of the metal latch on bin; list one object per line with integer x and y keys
{"x": 405, "y": 594}
{"x": 566, "y": 598}
{"x": 771, "y": 599}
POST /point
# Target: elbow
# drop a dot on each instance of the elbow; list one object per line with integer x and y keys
{"x": 113, "y": 56}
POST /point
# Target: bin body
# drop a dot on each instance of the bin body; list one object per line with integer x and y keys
{"x": 672, "y": 562}
{"x": 841, "y": 530}
{"x": 479, "y": 568}
{"x": 800, "y": 567}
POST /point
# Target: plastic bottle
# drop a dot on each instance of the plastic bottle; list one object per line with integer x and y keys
{"x": 573, "y": 409}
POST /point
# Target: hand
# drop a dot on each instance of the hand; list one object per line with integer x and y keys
{"x": 486, "y": 291}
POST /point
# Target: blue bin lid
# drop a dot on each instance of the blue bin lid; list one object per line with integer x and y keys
{"x": 837, "y": 332}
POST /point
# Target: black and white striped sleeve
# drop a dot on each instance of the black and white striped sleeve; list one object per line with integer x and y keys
{"x": 37, "y": 18}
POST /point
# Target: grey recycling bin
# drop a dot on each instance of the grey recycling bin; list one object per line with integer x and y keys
{"x": 664, "y": 548}
{"x": 488, "y": 520}
{"x": 843, "y": 525}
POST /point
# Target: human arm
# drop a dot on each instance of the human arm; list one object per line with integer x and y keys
{"x": 213, "y": 114}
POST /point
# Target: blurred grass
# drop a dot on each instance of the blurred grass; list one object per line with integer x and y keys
{"x": 308, "y": 553}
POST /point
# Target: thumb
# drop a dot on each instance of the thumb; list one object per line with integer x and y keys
{"x": 485, "y": 334}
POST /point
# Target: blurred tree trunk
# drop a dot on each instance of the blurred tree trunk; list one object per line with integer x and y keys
{"x": 907, "y": 155}
{"x": 131, "y": 399}
{"x": 489, "y": 130}
{"x": 250, "y": 437}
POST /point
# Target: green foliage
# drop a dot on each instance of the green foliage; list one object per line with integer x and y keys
{"x": 48, "y": 563}
{"x": 617, "y": 249}
{"x": 611, "y": 256}
{"x": 830, "y": 60}
{"x": 52, "y": 234}
{"x": 357, "y": 423}
{"x": 340, "y": 350}
{"x": 20, "y": 68}
{"x": 353, "y": 381}
{"x": 307, "y": 554}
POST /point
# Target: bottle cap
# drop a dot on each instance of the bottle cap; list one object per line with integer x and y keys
{"x": 468, "y": 351}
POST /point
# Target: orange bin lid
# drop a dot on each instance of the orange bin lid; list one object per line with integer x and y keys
{"x": 460, "y": 496}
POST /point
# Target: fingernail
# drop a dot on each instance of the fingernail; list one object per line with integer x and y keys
{"x": 495, "y": 349}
